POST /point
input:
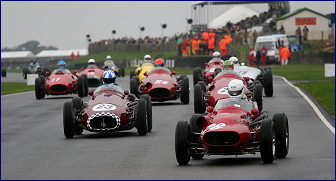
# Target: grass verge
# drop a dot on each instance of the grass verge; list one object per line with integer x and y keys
{"x": 15, "y": 87}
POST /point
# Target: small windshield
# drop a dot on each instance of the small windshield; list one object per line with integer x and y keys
{"x": 237, "y": 102}
{"x": 227, "y": 72}
{"x": 61, "y": 70}
{"x": 159, "y": 70}
{"x": 109, "y": 63}
{"x": 92, "y": 66}
{"x": 216, "y": 61}
{"x": 108, "y": 87}
{"x": 268, "y": 45}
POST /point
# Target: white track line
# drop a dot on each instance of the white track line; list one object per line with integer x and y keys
{"x": 317, "y": 111}
{"x": 16, "y": 93}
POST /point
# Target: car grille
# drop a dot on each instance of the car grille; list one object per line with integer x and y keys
{"x": 94, "y": 82}
{"x": 58, "y": 88}
{"x": 221, "y": 138}
{"x": 103, "y": 122}
{"x": 159, "y": 93}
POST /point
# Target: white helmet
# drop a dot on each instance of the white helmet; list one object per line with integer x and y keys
{"x": 234, "y": 60}
{"x": 235, "y": 87}
{"x": 147, "y": 58}
{"x": 108, "y": 57}
{"x": 91, "y": 61}
{"x": 216, "y": 55}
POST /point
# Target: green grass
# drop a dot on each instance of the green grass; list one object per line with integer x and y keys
{"x": 323, "y": 91}
{"x": 14, "y": 70}
{"x": 300, "y": 71}
{"x": 15, "y": 87}
{"x": 122, "y": 55}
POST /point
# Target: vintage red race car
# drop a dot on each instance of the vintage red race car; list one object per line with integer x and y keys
{"x": 162, "y": 85}
{"x": 110, "y": 109}
{"x": 218, "y": 89}
{"x": 94, "y": 76}
{"x": 211, "y": 67}
{"x": 60, "y": 82}
{"x": 233, "y": 127}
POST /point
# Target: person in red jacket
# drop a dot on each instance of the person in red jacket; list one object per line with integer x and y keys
{"x": 205, "y": 37}
{"x": 222, "y": 46}
{"x": 284, "y": 55}
{"x": 251, "y": 56}
{"x": 263, "y": 55}
{"x": 184, "y": 44}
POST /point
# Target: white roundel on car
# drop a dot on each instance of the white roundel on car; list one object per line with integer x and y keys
{"x": 103, "y": 107}
{"x": 223, "y": 90}
{"x": 212, "y": 69}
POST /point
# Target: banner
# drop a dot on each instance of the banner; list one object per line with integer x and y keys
{"x": 305, "y": 21}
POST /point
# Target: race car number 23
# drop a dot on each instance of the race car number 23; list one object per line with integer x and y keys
{"x": 161, "y": 82}
{"x": 103, "y": 107}
{"x": 55, "y": 79}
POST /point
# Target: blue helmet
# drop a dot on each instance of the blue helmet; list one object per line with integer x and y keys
{"x": 61, "y": 64}
{"x": 109, "y": 77}
{"x": 34, "y": 61}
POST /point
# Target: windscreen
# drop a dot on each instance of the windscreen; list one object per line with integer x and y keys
{"x": 108, "y": 87}
{"x": 268, "y": 45}
{"x": 237, "y": 102}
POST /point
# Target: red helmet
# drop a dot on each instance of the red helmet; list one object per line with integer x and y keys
{"x": 159, "y": 62}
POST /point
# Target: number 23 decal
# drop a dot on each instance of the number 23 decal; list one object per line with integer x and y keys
{"x": 55, "y": 79}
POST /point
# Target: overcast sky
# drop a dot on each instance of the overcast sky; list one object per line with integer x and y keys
{"x": 65, "y": 24}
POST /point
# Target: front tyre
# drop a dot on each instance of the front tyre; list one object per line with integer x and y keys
{"x": 185, "y": 90}
{"x": 80, "y": 87}
{"x": 39, "y": 92}
{"x": 149, "y": 111}
{"x": 86, "y": 85}
{"x": 199, "y": 105}
{"x": 142, "y": 121}
{"x": 197, "y": 74}
{"x": 182, "y": 134}
{"x": 257, "y": 96}
{"x": 68, "y": 120}
{"x": 280, "y": 122}
{"x": 267, "y": 141}
{"x": 268, "y": 82}
{"x": 134, "y": 86}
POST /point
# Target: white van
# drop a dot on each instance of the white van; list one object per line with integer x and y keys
{"x": 272, "y": 43}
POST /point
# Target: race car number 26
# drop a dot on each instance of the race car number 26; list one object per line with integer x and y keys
{"x": 103, "y": 107}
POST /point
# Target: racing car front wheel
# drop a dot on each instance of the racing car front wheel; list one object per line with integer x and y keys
{"x": 122, "y": 71}
{"x": 185, "y": 90}
{"x": 81, "y": 87}
{"x": 68, "y": 120}
{"x": 257, "y": 96}
{"x": 134, "y": 85}
{"x": 86, "y": 86}
{"x": 142, "y": 119}
{"x": 39, "y": 93}
{"x": 132, "y": 74}
{"x": 267, "y": 139}
{"x": 197, "y": 74}
{"x": 149, "y": 111}
{"x": 182, "y": 150}
{"x": 195, "y": 138}
{"x": 199, "y": 105}
{"x": 280, "y": 122}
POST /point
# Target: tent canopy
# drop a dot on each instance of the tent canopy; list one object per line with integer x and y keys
{"x": 62, "y": 53}
{"x": 234, "y": 15}
{"x": 17, "y": 54}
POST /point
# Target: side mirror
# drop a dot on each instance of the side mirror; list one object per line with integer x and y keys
{"x": 210, "y": 109}
{"x": 90, "y": 92}
{"x": 75, "y": 71}
{"x": 145, "y": 74}
{"x": 210, "y": 79}
{"x": 47, "y": 73}
{"x": 173, "y": 73}
{"x": 254, "y": 111}
{"x": 247, "y": 79}
{"x": 82, "y": 68}
{"x": 126, "y": 92}
{"x": 206, "y": 63}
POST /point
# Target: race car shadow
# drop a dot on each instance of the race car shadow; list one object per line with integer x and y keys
{"x": 208, "y": 161}
{"x": 165, "y": 103}
{"x": 58, "y": 97}
{"x": 90, "y": 135}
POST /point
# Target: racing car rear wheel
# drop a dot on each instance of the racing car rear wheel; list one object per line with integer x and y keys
{"x": 80, "y": 87}
{"x": 197, "y": 74}
{"x": 202, "y": 84}
{"x": 182, "y": 139}
{"x": 134, "y": 85}
{"x": 142, "y": 119}
{"x": 280, "y": 122}
{"x": 39, "y": 92}
{"x": 122, "y": 71}
{"x": 77, "y": 103}
{"x": 68, "y": 120}
{"x": 185, "y": 90}
{"x": 257, "y": 96}
{"x": 195, "y": 138}
{"x": 268, "y": 82}
{"x": 149, "y": 110}
{"x": 267, "y": 139}
{"x": 86, "y": 86}
{"x": 132, "y": 74}
{"x": 199, "y": 105}
{"x": 3, "y": 73}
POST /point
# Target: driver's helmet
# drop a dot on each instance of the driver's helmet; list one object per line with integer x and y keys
{"x": 108, "y": 57}
{"x": 38, "y": 69}
{"x": 234, "y": 60}
{"x": 109, "y": 77}
{"x": 159, "y": 62}
{"x": 235, "y": 87}
{"x": 228, "y": 65}
{"x": 91, "y": 61}
{"x": 34, "y": 61}
{"x": 216, "y": 55}
{"x": 147, "y": 58}
{"x": 61, "y": 64}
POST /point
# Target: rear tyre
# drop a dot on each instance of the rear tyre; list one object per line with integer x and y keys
{"x": 149, "y": 111}
{"x": 202, "y": 84}
{"x": 142, "y": 121}
{"x": 268, "y": 82}
{"x": 80, "y": 87}
{"x": 266, "y": 141}
{"x": 280, "y": 122}
{"x": 3, "y": 72}
{"x": 199, "y": 105}
{"x": 122, "y": 71}
{"x": 257, "y": 96}
{"x": 132, "y": 74}
{"x": 39, "y": 93}
{"x": 134, "y": 86}
{"x": 86, "y": 85}
{"x": 68, "y": 120}
{"x": 77, "y": 103}
{"x": 185, "y": 90}
{"x": 195, "y": 138}
{"x": 197, "y": 74}
{"x": 182, "y": 135}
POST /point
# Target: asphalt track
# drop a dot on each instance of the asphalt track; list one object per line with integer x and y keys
{"x": 33, "y": 145}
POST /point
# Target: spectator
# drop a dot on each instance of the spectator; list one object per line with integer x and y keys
{"x": 222, "y": 46}
{"x": 205, "y": 37}
{"x": 251, "y": 56}
{"x": 195, "y": 45}
{"x": 282, "y": 29}
{"x": 257, "y": 58}
{"x": 284, "y": 55}
{"x": 299, "y": 34}
{"x": 263, "y": 55}
{"x": 305, "y": 33}
{"x": 184, "y": 45}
